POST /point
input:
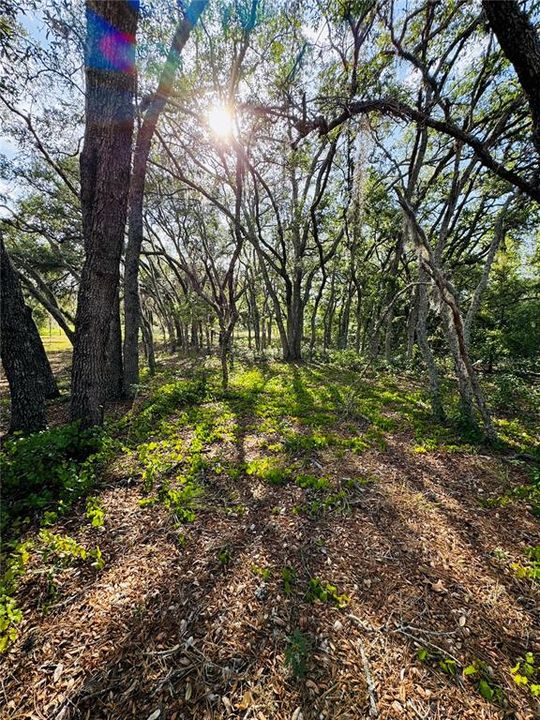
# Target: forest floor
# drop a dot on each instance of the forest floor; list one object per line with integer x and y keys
{"x": 306, "y": 545}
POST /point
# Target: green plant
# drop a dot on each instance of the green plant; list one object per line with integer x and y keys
{"x": 266, "y": 469}
{"x": 288, "y": 578}
{"x": 312, "y": 482}
{"x": 49, "y": 470}
{"x": 480, "y": 673}
{"x": 262, "y": 572}
{"x": 224, "y": 556}
{"x": 95, "y": 512}
{"x": 531, "y": 568}
{"x": 181, "y": 500}
{"x": 526, "y": 673}
{"x": 63, "y": 550}
{"x": 326, "y": 592}
{"x": 164, "y": 401}
{"x": 10, "y": 617}
{"x": 297, "y": 653}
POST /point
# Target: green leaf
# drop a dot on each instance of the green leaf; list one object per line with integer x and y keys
{"x": 485, "y": 690}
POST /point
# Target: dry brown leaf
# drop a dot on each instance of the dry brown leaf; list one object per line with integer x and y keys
{"x": 246, "y": 702}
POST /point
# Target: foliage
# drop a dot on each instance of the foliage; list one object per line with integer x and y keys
{"x": 297, "y": 653}
{"x": 165, "y": 400}
{"x": 95, "y": 512}
{"x": 326, "y": 592}
{"x": 531, "y": 568}
{"x": 49, "y": 470}
{"x": 64, "y": 550}
{"x": 526, "y": 673}
{"x": 481, "y": 674}
{"x": 288, "y": 578}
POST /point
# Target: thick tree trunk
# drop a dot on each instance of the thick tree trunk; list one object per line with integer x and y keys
{"x": 25, "y": 363}
{"x": 145, "y": 135}
{"x": 105, "y": 175}
{"x": 521, "y": 45}
{"x": 295, "y": 321}
{"x": 114, "y": 377}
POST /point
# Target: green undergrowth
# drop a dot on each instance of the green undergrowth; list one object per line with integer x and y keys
{"x": 527, "y": 494}
{"x": 185, "y": 432}
{"x": 48, "y": 471}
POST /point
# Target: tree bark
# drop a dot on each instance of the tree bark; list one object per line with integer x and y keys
{"x": 521, "y": 45}
{"x": 23, "y": 356}
{"x": 105, "y": 174}
{"x": 114, "y": 387}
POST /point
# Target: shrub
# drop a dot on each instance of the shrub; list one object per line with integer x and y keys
{"x": 48, "y": 470}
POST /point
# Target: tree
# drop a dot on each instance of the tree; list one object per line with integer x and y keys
{"x": 521, "y": 44}
{"x": 24, "y": 359}
{"x": 110, "y": 87}
{"x": 150, "y": 117}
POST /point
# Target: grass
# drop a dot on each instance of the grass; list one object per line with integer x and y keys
{"x": 54, "y": 342}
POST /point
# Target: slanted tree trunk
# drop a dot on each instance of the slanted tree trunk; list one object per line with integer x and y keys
{"x": 421, "y": 336}
{"x": 105, "y": 175}
{"x": 145, "y": 135}
{"x": 521, "y": 44}
{"x": 23, "y": 356}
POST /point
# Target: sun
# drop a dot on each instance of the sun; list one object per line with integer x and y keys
{"x": 220, "y": 120}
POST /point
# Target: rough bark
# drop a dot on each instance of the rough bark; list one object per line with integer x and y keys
{"x": 105, "y": 175}
{"x": 521, "y": 45}
{"x": 148, "y": 339}
{"x": 132, "y": 309}
{"x": 113, "y": 385}
{"x": 421, "y": 336}
{"x": 25, "y": 363}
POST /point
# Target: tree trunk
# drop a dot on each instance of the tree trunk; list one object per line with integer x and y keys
{"x": 145, "y": 135}
{"x": 148, "y": 339}
{"x": 114, "y": 386}
{"x": 105, "y": 174}
{"x": 521, "y": 45}
{"x": 421, "y": 336}
{"x": 25, "y": 363}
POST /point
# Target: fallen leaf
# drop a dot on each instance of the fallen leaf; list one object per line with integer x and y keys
{"x": 439, "y": 587}
{"x": 57, "y": 672}
{"x": 246, "y": 702}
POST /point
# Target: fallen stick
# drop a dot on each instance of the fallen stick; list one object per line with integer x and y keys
{"x": 373, "y": 710}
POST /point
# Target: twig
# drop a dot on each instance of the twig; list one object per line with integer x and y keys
{"x": 163, "y": 653}
{"x": 373, "y": 711}
{"x": 428, "y": 643}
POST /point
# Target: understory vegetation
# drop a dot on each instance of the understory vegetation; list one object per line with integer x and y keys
{"x": 191, "y": 450}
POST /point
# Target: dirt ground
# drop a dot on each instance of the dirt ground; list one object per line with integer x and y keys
{"x": 205, "y": 628}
